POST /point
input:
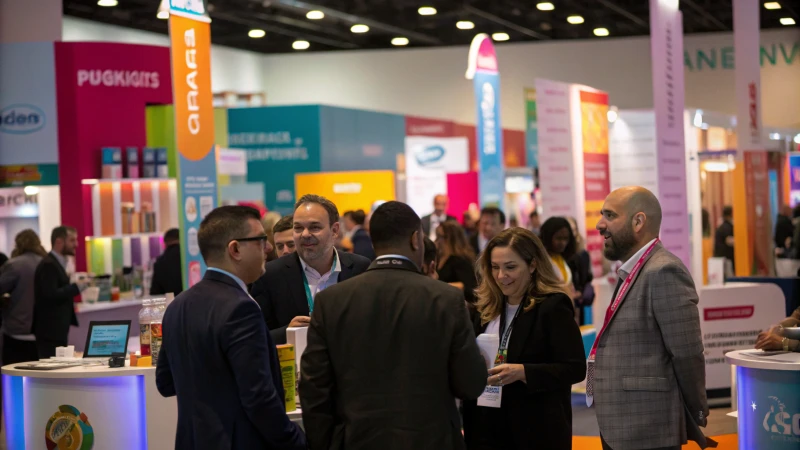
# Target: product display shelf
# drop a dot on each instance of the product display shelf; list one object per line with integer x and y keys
{"x": 93, "y": 181}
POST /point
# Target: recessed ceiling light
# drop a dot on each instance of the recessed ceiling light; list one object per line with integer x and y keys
{"x": 315, "y": 15}
{"x": 359, "y": 28}
{"x": 575, "y": 20}
{"x": 163, "y": 15}
{"x": 602, "y": 32}
{"x": 787, "y": 21}
{"x": 500, "y": 37}
{"x": 400, "y": 41}
{"x": 427, "y": 11}
{"x": 107, "y": 2}
{"x": 545, "y": 6}
{"x": 465, "y": 25}
{"x": 300, "y": 45}
{"x": 772, "y": 5}
{"x": 257, "y": 33}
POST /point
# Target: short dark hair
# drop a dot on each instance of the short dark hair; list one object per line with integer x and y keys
{"x": 221, "y": 226}
{"x": 727, "y": 211}
{"x": 430, "y": 251}
{"x": 358, "y": 217}
{"x": 172, "y": 235}
{"x": 552, "y": 226}
{"x": 533, "y": 214}
{"x": 285, "y": 224}
{"x": 492, "y": 211}
{"x": 61, "y": 233}
{"x": 330, "y": 207}
{"x": 392, "y": 224}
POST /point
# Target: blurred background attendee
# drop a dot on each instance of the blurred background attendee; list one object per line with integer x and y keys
{"x": 3, "y": 259}
{"x": 561, "y": 245}
{"x": 513, "y": 222}
{"x": 430, "y": 256}
{"x": 723, "y": 238}
{"x": 492, "y": 222}
{"x": 534, "y": 222}
{"x": 470, "y": 224}
{"x": 784, "y": 233}
{"x": 359, "y": 238}
{"x": 439, "y": 216}
{"x": 581, "y": 265}
{"x": 16, "y": 279}
{"x": 774, "y": 339}
{"x": 283, "y": 235}
{"x": 167, "y": 268}
{"x": 269, "y": 220}
{"x": 456, "y": 260}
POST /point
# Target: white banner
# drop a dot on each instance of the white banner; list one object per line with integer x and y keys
{"x": 15, "y": 203}
{"x": 428, "y": 161}
{"x": 746, "y": 42}
{"x": 232, "y": 162}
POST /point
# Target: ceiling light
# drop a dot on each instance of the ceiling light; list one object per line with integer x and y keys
{"x": 545, "y": 6}
{"x": 575, "y": 20}
{"x": 315, "y": 15}
{"x": 772, "y": 5}
{"x": 775, "y": 136}
{"x": 601, "y": 32}
{"x": 787, "y": 21}
{"x": 257, "y": 33}
{"x": 400, "y": 41}
{"x": 300, "y": 45}
{"x": 359, "y": 28}
{"x": 500, "y": 37}
{"x": 465, "y": 25}
{"x": 107, "y": 2}
{"x": 427, "y": 11}
{"x": 163, "y": 15}
{"x": 31, "y": 190}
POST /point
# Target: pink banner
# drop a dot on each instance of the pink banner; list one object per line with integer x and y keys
{"x": 746, "y": 46}
{"x": 462, "y": 188}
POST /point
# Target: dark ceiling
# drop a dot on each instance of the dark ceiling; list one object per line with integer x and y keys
{"x": 285, "y": 20}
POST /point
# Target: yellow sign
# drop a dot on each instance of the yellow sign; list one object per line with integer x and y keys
{"x": 348, "y": 190}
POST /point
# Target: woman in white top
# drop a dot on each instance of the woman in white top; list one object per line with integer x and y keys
{"x": 541, "y": 354}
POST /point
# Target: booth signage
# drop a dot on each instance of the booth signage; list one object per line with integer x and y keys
{"x": 232, "y": 162}
{"x": 428, "y": 161}
{"x": 597, "y": 184}
{"x": 769, "y": 408}
{"x": 531, "y": 129}
{"x": 194, "y": 128}
{"x": 758, "y": 209}
{"x": 746, "y": 37}
{"x": 794, "y": 180}
{"x": 16, "y": 203}
{"x": 482, "y": 69}
{"x": 69, "y": 428}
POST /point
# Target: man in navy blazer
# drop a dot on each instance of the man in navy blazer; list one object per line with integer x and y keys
{"x": 217, "y": 356}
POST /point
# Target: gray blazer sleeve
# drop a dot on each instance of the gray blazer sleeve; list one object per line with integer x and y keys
{"x": 674, "y": 303}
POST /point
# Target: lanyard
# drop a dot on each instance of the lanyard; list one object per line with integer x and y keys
{"x": 621, "y": 294}
{"x": 309, "y": 297}
{"x": 502, "y": 350}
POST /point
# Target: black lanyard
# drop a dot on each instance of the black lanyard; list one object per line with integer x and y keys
{"x": 506, "y": 333}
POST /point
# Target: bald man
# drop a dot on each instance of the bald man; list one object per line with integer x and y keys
{"x": 432, "y": 221}
{"x": 646, "y": 372}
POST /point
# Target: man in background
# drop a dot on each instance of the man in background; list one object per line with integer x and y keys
{"x": 364, "y": 387}
{"x": 287, "y": 289}
{"x": 284, "y": 236}
{"x": 54, "y": 294}
{"x": 723, "y": 238}
{"x": 535, "y": 223}
{"x": 167, "y": 268}
{"x": 217, "y": 356}
{"x": 784, "y": 232}
{"x": 439, "y": 216}
{"x": 430, "y": 259}
{"x": 491, "y": 223}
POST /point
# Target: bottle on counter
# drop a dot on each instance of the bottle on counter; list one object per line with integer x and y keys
{"x": 156, "y": 334}
{"x": 144, "y": 326}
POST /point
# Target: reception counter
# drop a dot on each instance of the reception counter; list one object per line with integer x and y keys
{"x": 94, "y": 407}
{"x": 768, "y": 399}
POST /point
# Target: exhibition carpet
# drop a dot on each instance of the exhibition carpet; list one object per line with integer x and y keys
{"x": 726, "y": 442}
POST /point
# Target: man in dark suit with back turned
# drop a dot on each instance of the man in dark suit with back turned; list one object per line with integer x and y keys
{"x": 167, "y": 269}
{"x": 217, "y": 356}
{"x": 289, "y": 285}
{"x": 54, "y": 309}
{"x": 390, "y": 351}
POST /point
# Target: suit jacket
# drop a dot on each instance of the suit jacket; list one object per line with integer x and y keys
{"x": 219, "y": 360}
{"x": 17, "y": 279}
{"x": 54, "y": 310}
{"x": 167, "y": 275}
{"x": 650, "y": 368}
{"x": 281, "y": 293}
{"x": 537, "y": 414}
{"x": 475, "y": 244}
{"x": 388, "y": 353}
{"x": 426, "y": 223}
{"x": 362, "y": 244}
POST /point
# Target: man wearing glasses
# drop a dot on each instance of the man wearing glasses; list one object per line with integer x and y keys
{"x": 217, "y": 356}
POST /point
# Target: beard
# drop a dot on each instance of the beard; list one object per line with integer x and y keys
{"x": 619, "y": 244}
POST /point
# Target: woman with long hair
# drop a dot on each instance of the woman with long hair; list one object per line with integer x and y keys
{"x": 456, "y": 259}
{"x": 561, "y": 245}
{"x": 581, "y": 266}
{"x": 523, "y": 301}
{"x": 16, "y": 280}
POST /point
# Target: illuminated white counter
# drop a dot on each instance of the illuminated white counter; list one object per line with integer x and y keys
{"x": 105, "y": 408}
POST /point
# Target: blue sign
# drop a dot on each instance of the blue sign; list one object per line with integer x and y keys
{"x": 769, "y": 409}
{"x": 491, "y": 179}
{"x": 189, "y": 8}
{"x": 21, "y": 119}
{"x": 426, "y": 156}
{"x": 198, "y": 183}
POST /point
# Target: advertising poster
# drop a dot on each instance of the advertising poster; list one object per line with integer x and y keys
{"x": 758, "y": 212}
{"x": 594, "y": 132}
{"x": 349, "y": 190}
{"x": 428, "y": 161}
{"x": 194, "y": 134}
{"x": 531, "y": 129}
{"x": 794, "y": 180}
{"x": 771, "y": 418}
{"x": 747, "y": 54}
{"x": 482, "y": 69}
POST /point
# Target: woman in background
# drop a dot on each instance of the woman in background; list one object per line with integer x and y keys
{"x": 522, "y": 300}
{"x": 581, "y": 265}
{"x": 456, "y": 259}
{"x": 268, "y": 221}
{"x": 560, "y": 243}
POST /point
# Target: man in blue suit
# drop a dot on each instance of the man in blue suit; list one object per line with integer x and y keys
{"x": 217, "y": 356}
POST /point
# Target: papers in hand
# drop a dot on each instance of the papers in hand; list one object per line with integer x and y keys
{"x": 488, "y": 345}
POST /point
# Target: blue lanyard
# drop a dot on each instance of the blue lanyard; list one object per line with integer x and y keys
{"x": 309, "y": 297}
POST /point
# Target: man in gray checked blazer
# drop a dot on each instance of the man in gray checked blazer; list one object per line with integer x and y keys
{"x": 649, "y": 372}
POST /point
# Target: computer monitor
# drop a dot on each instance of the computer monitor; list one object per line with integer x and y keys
{"x": 107, "y": 338}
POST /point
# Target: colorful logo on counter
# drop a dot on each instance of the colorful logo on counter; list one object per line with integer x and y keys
{"x": 69, "y": 429}
{"x": 781, "y": 422}
{"x": 428, "y": 155}
{"x": 21, "y": 119}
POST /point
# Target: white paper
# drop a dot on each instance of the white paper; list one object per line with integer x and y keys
{"x": 488, "y": 345}
{"x": 299, "y": 338}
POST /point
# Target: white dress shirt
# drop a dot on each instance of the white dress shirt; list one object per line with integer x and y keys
{"x": 626, "y": 268}
{"x": 319, "y": 282}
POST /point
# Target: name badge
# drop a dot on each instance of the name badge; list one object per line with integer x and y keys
{"x": 491, "y": 397}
